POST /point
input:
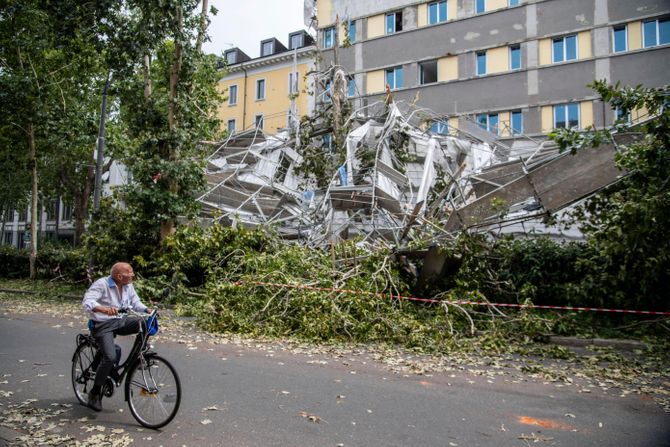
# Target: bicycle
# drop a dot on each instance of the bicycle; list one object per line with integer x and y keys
{"x": 152, "y": 387}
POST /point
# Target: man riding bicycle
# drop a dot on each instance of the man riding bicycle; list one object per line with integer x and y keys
{"x": 102, "y": 302}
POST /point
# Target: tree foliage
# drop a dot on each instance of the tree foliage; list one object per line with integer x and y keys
{"x": 627, "y": 224}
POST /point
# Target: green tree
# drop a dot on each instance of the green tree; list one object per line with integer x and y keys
{"x": 628, "y": 223}
{"x": 170, "y": 106}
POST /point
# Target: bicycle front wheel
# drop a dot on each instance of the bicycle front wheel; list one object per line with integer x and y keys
{"x": 154, "y": 392}
{"x": 83, "y": 371}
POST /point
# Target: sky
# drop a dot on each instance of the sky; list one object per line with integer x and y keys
{"x": 244, "y": 23}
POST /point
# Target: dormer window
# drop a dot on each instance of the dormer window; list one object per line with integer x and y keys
{"x": 296, "y": 41}
{"x": 231, "y": 57}
{"x": 267, "y": 48}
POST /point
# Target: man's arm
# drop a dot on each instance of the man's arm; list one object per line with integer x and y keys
{"x": 91, "y": 298}
{"x": 135, "y": 301}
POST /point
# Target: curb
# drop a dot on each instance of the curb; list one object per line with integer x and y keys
{"x": 626, "y": 345}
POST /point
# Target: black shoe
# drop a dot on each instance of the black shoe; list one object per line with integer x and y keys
{"x": 95, "y": 401}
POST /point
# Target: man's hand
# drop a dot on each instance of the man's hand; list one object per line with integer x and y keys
{"x": 111, "y": 311}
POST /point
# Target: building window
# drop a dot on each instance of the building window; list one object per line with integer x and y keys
{"x": 231, "y": 126}
{"x": 656, "y": 32}
{"x": 622, "y": 117}
{"x": 566, "y": 116}
{"x": 564, "y": 49}
{"x": 620, "y": 39}
{"x": 329, "y": 37}
{"x": 67, "y": 212}
{"x": 327, "y": 141}
{"x": 259, "y": 121}
{"x": 394, "y": 78}
{"x": 23, "y": 215}
{"x": 517, "y": 122}
{"x": 488, "y": 121}
{"x": 8, "y": 238}
{"x": 260, "y": 89}
{"x": 231, "y": 57}
{"x": 50, "y": 209}
{"x": 351, "y": 87}
{"x": 437, "y": 12}
{"x": 267, "y": 48}
{"x": 481, "y": 63}
{"x": 428, "y": 72}
{"x": 480, "y": 6}
{"x": 439, "y": 127}
{"x": 296, "y": 41}
{"x": 393, "y": 22}
{"x": 293, "y": 83}
{"x": 515, "y": 57}
{"x": 232, "y": 95}
{"x": 513, "y": 3}
{"x": 327, "y": 90}
{"x": 351, "y": 31}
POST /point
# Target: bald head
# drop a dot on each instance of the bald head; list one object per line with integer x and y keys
{"x": 122, "y": 273}
{"x": 120, "y": 267}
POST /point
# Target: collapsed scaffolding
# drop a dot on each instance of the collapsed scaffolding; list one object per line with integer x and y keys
{"x": 399, "y": 181}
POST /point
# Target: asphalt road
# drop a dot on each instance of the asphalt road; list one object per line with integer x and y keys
{"x": 275, "y": 397}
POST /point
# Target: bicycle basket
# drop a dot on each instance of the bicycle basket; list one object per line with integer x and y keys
{"x": 152, "y": 325}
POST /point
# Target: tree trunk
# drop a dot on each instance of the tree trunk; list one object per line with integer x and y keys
{"x": 147, "y": 78}
{"x": 203, "y": 26}
{"x": 168, "y": 226}
{"x": 81, "y": 200}
{"x": 33, "y": 201}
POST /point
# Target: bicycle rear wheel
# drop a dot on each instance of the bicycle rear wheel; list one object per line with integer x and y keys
{"x": 83, "y": 370}
{"x": 154, "y": 392}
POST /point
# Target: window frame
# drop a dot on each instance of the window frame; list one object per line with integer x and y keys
{"x": 231, "y": 55}
{"x": 232, "y": 99}
{"x": 234, "y": 127}
{"x": 351, "y": 31}
{"x": 271, "y": 46}
{"x": 488, "y": 125}
{"x": 564, "y": 47}
{"x": 394, "y": 71}
{"x": 351, "y": 87}
{"x": 421, "y": 72}
{"x": 657, "y": 33}
{"x": 294, "y": 83}
{"x": 259, "y": 119}
{"x": 512, "y": 49}
{"x": 566, "y": 116}
{"x": 625, "y": 38}
{"x": 513, "y": 130}
{"x": 439, "y": 127}
{"x": 437, "y": 5}
{"x": 478, "y": 55}
{"x": 300, "y": 43}
{"x": 619, "y": 117}
{"x": 258, "y": 82}
{"x": 329, "y": 37}
{"x": 397, "y": 22}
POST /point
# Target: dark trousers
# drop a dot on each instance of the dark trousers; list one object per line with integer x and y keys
{"x": 104, "y": 334}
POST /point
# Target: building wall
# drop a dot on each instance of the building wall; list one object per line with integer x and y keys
{"x": 533, "y": 25}
{"x": 276, "y": 104}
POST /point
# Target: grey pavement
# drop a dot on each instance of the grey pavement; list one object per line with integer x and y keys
{"x": 236, "y": 395}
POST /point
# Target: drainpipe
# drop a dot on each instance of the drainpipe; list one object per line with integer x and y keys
{"x": 244, "y": 104}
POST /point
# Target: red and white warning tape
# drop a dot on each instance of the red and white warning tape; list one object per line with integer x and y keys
{"x": 460, "y": 302}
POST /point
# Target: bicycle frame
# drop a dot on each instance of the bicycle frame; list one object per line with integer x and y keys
{"x": 138, "y": 353}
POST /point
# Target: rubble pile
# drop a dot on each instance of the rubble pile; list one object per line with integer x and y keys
{"x": 398, "y": 182}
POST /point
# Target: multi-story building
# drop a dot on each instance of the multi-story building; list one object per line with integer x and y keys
{"x": 511, "y": 66}
{"x": 269, "y": 92}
